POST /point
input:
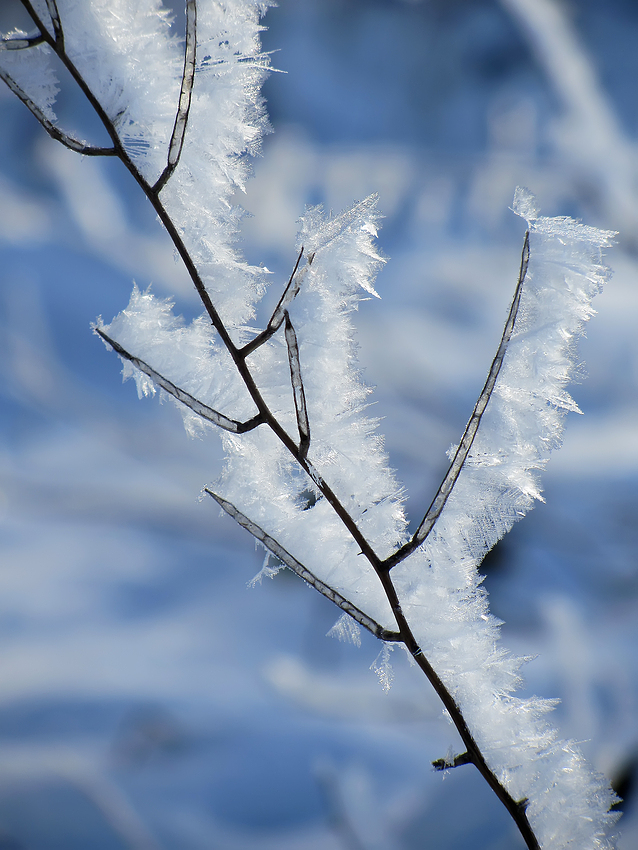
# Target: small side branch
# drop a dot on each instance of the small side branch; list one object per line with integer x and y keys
{"x": 21, "y": 42}
{"x": 451, "y": 477}
{"x": 185, "y": 96}
{"x": 292, "y": 563}
{"x": 297, "y": 388}
{"x": 49, "y": 126}
{"x": 289, "y": 294}
{"x": 182, "y": 396}
{"x": 446, "y": 763}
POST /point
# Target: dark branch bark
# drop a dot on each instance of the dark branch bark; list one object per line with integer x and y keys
{"x": 516, "y": 808}
{"x": 182, "y": 396}
{"x": 297, "y": 387}
{"x": 451, "y": 477}
{"x": 185, "y": 95}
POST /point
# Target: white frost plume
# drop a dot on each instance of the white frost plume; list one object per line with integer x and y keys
{"x": 439, "y": 585}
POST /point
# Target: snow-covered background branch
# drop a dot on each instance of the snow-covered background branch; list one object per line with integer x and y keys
{"x": 141, "y": 683}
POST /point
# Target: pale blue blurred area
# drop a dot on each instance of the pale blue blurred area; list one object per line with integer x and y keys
{"x": 147, "y": 698}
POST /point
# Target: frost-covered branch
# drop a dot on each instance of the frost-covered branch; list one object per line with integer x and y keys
{"x": 20, "y": 41}
{"x": 274, "y": 323}
{"x": 471, "y": 429}
{"x": 58, "y": 33}
{"x": 292, "y": 563}
{"x": 297, "y": 387}
{"x": 350, "y": 539}
{"x": 454, "y": 761}
{"x": 185, "y": 96}
{"x": 53, "y": 131}
{"x": 185, "y": 398}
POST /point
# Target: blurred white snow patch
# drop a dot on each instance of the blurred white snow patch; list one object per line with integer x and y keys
{"x": 107, "y": 225}
{"x": 296, "y": 169}
{"x": 354, "y": 696}
{"x": 358, "y": 810}
{"x": 600, "y": 444}
{"x": 346, "y": 630}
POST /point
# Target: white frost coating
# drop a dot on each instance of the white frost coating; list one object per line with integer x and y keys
{"x": 262, "y": 479}
{"x": 132, "y": 66}
{"x": 226, "y": 123}
{"x": 383, "y": 668}
{"x": 346, "y": 630}
{"x": 439, "y": 585}
{"x": 188, "y": 355}
{"x": 266, "y": 571}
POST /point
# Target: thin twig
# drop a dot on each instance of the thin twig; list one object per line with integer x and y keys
{"x": 457, "y": 761}
{"x": 185, "y": 96}
{"x": 297, "y": 387}
{"x": 21, "y": 42}
{"x": 297, "y": 567}
{"x": 52, "y": 130}
{"x": 182, "y": 396}
{"x": 289, "y": 294}
{"x": 454, "y": 470}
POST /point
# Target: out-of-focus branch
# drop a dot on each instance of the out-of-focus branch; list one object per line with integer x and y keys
{"x": 589, "y": 133}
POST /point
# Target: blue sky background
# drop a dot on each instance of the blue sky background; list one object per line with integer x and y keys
{"x": 147, "y": 698}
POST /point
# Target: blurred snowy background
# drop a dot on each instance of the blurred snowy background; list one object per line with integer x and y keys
{"x": 148, "y": 699}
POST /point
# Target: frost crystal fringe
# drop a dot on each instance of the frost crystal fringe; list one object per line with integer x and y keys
{"x": 439, "y": 585}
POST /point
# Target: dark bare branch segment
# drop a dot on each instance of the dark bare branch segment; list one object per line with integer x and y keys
{"x": 181, "y": 395}
{"x": 52, "y": 7}
{"x": 457, "y": 761}
{"x": 447, "y": 485}
{"x": 49, "y": 126}
{"x": 297, "y": 387}
{"x": 292, "y": 563}
{"x": 21, "y": 42}
{"x": 185, "y": 96}
{"x": 289, "y": 294}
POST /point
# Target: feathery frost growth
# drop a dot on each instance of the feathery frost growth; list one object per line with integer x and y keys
{"x": 306, "y": 471}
